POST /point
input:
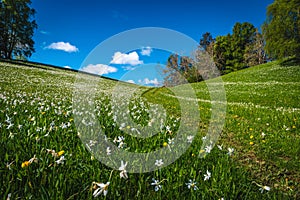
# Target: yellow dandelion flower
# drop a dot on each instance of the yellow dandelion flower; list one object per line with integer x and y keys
{"x": 165, "y": 144}
{"x": 43, "y": 113}
{"x": 251, "y": 143}
{"x": 294, "y": 126}
{"x": 128, "y": 127}
{"x": 263, "y": 141}
{"x": 25, "y": 164}
{"x": 251, "y": 136}
{"x": 251, "y": 129}
{"x": 60, "y": 152}
{"x": 193, "y": 155}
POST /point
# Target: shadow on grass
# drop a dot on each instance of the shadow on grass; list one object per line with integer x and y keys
{"x": 288, "y": 62}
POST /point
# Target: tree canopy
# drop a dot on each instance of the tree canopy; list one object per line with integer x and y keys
{"x": 231, "y": 52}
{"x": 17, "y": 28}
{"x": 281, "y": 29}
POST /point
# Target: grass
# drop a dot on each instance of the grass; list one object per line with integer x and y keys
{"x": 261, "y": 125}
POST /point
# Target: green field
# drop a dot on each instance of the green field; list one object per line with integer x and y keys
{"x": 43, "y": 157}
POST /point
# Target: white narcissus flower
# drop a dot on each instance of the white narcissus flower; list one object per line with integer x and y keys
{"x": 208, "y": 148}
{"x": 159, "y": 162}
{"x": 156, "y": 184}
{"x": 207, "y": 175}
{"x": 170, "y": 140}
{"x": 101, "y": 187}
{"x": 192, "y": 184}
{"x": 190, "y": 138}
{"x": 230, "y": 151}
{"x": 108, "y": 151}
{"x": 262, "y": 188}
{"x": 60, "y": 160}
{"x": 220, "y": 147}
{"x": 34, "y": 159}
{"x": 123, "y": 173}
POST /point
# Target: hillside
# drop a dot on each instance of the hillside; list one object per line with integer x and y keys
{"x": 261, "y": 124}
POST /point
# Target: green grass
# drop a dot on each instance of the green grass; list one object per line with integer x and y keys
{"x": 262, "y": 108}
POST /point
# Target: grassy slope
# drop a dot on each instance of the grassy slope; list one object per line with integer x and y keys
{"x": 263, "y": 108}
{"x": 262, "y": 99}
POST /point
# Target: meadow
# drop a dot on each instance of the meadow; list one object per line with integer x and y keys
{"x": 45, "y": 156}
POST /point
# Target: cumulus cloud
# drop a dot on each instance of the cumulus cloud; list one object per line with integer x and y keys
{"x": 63, "y": 46}
{"x": 68, "y": 67}
{"x": 146, "y": 51}
{"x": 123, "y": 58}
{"x": 130, "y": 81}
{"x": 99, "y": 69}
{"x": 147, "y": 81}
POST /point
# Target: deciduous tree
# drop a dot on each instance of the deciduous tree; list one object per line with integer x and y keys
{"x": 281, "y": 29}
{"x": 17, "y": 28}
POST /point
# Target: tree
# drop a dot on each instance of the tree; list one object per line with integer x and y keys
{"x": 17, "y": 28}
{"x": 254, "y": 52}
{"x": 229, "y": 50}
{"x": 281, "y": 29}
{"x": 179, "y": 70}
{"x": 222, "y": 54}
{"x": 242, "y": 36}
{"x": 206, "y": 42}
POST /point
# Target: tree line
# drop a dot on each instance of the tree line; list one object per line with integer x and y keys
{"x": 245, "y": 47}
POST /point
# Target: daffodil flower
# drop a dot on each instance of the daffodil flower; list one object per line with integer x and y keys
{"x": 101, "y": 187}
{"x": 27, "y": 163}
{"x": 123, "y": 173}
{"x": 159, "y": 162}
{"x": 190, "y": 138}
{"x": 220, "y": 147}
{"x": 108, "y": 151}
{"x": 262, "y": 188}
{"x": 60, "y": 152}
{"x": 230, "y": 151}
{"x": 207, "y": 175}
{"x": 156, "y": 184}
{"x": 208, "y": 148}
{"x": 192, "y": 184}
{"x": 60, "y": 160}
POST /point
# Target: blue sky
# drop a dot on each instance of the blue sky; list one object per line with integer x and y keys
{"x": 69, "y": 30}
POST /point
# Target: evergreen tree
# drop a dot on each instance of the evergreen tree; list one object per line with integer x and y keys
{"x": 243, "y": 35}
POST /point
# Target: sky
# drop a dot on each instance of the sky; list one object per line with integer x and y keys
{"x": 71, "y": 33}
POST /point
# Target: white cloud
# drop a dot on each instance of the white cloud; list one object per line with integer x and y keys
{"x": 99, "y": 69}
{"x": 146, "y": 51}
{"x": 123, "y": 58}
{"x": 147, "y": 81}
{"x": 130, "y": 81}
{"x": 68, "y": 67}
{"x": 44, "y": 32}
{"x": 128, "y": 68}
{"x": 64, "y": 46}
